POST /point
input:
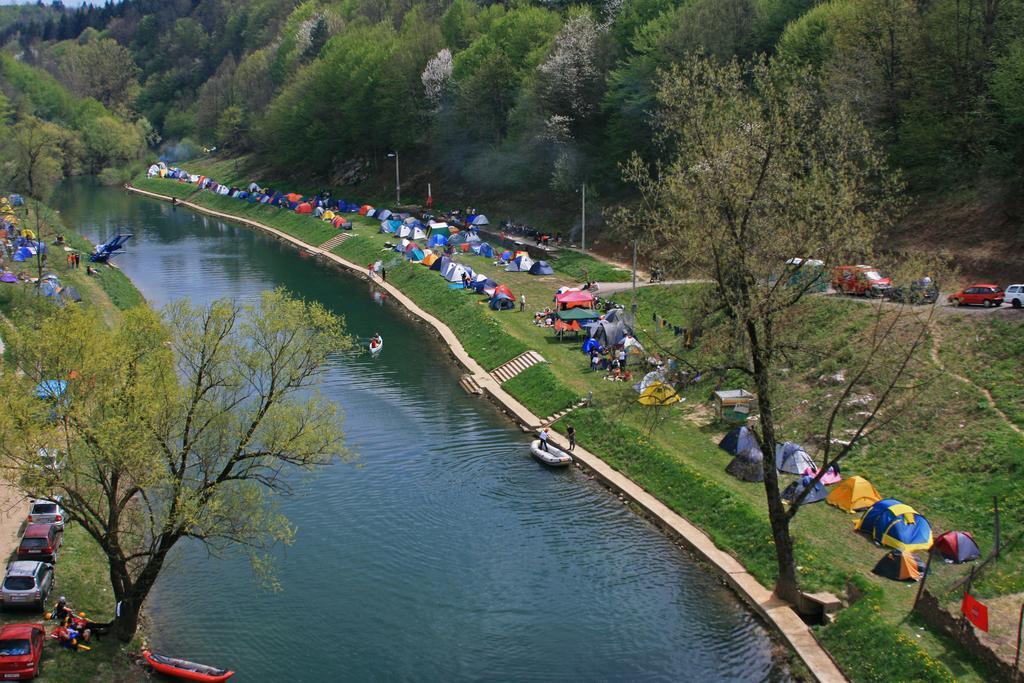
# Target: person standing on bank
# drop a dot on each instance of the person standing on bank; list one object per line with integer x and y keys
{"x": 522, "y": 303}
{"x": 570, "y": 432}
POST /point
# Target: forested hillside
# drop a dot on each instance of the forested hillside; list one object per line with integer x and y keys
{"x": 526, "y": 95}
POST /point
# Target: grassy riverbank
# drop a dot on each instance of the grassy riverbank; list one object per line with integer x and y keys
{"x": 81, "y": 572}
{"x": 932, "y": 463}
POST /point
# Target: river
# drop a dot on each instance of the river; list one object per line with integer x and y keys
{"x": 444, "y": 551}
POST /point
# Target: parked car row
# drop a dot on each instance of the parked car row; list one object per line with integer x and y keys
{"x": 864, "y": 280}
{"x": 27, "y": 583}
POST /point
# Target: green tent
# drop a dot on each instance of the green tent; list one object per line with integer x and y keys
{"x": 578, "y": 314}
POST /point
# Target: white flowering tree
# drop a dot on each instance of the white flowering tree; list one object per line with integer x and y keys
{"x": 569, "y": 77}
{"x": 437, "y": 78}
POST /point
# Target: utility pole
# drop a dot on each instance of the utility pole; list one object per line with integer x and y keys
{"x": 398, "y": 184}
{"x": 583, "y": 219}
{"x": 633, "y": 307}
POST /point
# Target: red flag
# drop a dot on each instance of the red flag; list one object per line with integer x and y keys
{"x": 975, "y": 612}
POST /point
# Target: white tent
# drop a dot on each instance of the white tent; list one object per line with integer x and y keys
{"x": 792, "y": 458}
{"x": 383, "y": 214}
{"x": 418, "y": 233}
{"x": 455, "y": 271}
{"x": 480, "y": 220}
{"x": 405, "y": 231}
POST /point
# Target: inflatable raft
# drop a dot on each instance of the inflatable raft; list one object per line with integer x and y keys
{"x": 189, "y": 671}
{"x": 552, "y": 456}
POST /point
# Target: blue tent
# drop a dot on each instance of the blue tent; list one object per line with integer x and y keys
{"x": 738, "y": 440}
{"x": 520, "y": 264}
{"x": 484, "y": 249}
{"x": 541, "y": 268}
{"x": 795, "y": 488}
{"x": 23, "y": 254}
{"x": 51, "y": 388}
{"x": 16, "y": 200}
{"x": 897, "y": 525}
{"x": 482, "y": 282}
{"x": 390, "y": 226}
{"x": 590, "y": 344}
{"x": 506, "y": 256}
{"x": 415, "y": 254}
{"x": 502, "y": 302}
{"x": 437, "y": 240}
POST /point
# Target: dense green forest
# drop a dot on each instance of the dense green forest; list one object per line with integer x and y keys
{"x": 513, "y": 96}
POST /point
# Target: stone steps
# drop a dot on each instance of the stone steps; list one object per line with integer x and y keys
{"x": 468, "y": 383}
{"x": 550, "y": 420}
{"x": 507, "y": 371}
{"x": 335, "y": 241}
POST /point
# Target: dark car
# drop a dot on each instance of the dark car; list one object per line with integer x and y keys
{"x": 978, "y": 295}
{"x": 21, "y": 647}
{"x": 40, "y": 542}
{"x": 921, "y": 291}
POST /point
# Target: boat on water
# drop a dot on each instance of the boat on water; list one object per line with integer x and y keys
{"x": 185, "y": 670}
{"x": 552, "y": 456}
{"x": 376, "y": 345}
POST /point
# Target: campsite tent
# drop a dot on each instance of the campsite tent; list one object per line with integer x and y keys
{"x": 440, "y": 264}
{"x": 455, "y": 271}
{"x": 853, "y": 494}
{"x": 304, "y": 207}
{"x": 609, "y": 332}
{"x": 899, "y": 566}
{"x": 574, "y": 320}
{"x": 739, "y": 440}
{"x": 792, "y": 458}
{"x": 659, "y": 394}
{"x": 520, "y": 264}
{"x": 484, "y": 249}
{"x": 51, "y": 389}
{"x": 503, "y": 289}
{"x": 482, "y": 282}
{"x": 897, "y": 525}
{"x": 830, "y": 477}
{"x": 364, "y": 209}
{"x": 384, "y": 214}
{"x": 8, "y": 277}
{"x": 429, "y": 258}
{"x": 439, "y": 229}
{"x": 818, "y": 492}
{"x": 574, "y": 298}
{"x": 478, "y": 219}
{"x": 747, "y": 465}
{"x": 593, "y": 345}
{"x": 648, "y": 379}
{"x": 418, "y": 233}
{"x": 437, "y": 240}
{"x": 502, "y": 302}
{"x": 541, "y": 268}
{"x": 957, "y": 546}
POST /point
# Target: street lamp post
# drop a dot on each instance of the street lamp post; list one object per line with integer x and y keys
{"x": 583, "y": 218}
{"x": 398, "y": 184}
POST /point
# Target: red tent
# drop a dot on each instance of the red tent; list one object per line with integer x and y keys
{"x": 502, "y": 289}
{"x": 304, "y": 207}
{"x": 957, "y": 546}
{"x": 574, "y": 299}
{"x": 364, "y": 208}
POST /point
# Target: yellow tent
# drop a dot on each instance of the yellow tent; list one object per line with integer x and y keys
{"x": 11, "y": 218}
{"x": 853, "y": 494}
{"x": 328, "y": 216}
{"x": 28, "y": 234}
{"x": 429, "y": 258}
{"x": 658, "y": 394}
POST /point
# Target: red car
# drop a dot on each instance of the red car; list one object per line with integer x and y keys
{"x": 21, "y": 646}
{"x": 978, "y": 295}
{"x": 40, "y": 542}
{"x": 860, "y": 280}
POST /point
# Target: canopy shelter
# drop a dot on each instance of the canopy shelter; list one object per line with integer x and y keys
{"x": 574, "y": 320}
{"x": 957, "y": 546}
{"x": 574, "y": 299}
{"x": 897, "y": 525}
{"x": 854, "y": 494}
{"x": 733, "y": 404}
{"x": 899, "y": 566}
{"x": 791, "y": 458}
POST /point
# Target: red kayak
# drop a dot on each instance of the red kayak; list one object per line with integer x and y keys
{"x": 190, "y": 671}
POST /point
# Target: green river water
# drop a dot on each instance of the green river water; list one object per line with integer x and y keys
{"x": 444, "y": 552}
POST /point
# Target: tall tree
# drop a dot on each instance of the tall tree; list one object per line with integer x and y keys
{"x": 763, "y": 167}
{"x": 177, "y": 427}
{"x": 34, "y": 152}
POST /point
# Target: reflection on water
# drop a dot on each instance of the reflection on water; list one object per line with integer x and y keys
{"x": 445, "y": 551}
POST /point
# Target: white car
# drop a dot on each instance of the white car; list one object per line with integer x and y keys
{"x": 46, "y": 512}
{"x": 1014, "y": 295}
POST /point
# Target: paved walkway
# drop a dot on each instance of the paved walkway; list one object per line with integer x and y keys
{"x": 775, "y": 612}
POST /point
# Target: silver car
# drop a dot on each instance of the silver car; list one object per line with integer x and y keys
{"x": 42, "y": 511}
{"x": 27, "y": 583}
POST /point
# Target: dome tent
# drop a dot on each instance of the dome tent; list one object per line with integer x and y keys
{"x": 738, "y": 440}
{"x": 899, "y": 566}
{"x": 957, "y": 547}
{"x": 897, "y": 525}
{"x": 854, "y": 494}
{"x": 747, "y": 465}
{"x": 792, "y": 492}
{"x": 541, "y": 268}
{"x": 791, "y": 458}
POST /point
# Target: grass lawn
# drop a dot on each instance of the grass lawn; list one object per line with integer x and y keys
{"x": 948, "y": 455}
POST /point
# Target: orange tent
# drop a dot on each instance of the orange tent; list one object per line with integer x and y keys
{"x": 292, "y": 197}
{"x": 364, "y": 209}
{"x": 304, "y": 207}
